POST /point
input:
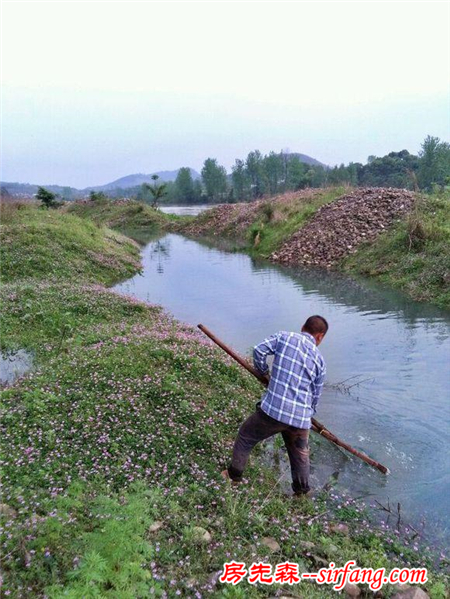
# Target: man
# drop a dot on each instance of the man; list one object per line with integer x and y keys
{"x": 296, "y": 381}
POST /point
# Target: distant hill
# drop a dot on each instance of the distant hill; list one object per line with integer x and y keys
{"x": 29, "y": 189}
{"x": 307, "y": 159}
{"x": 138, "y": 179}
{"x": 124, "y": 184}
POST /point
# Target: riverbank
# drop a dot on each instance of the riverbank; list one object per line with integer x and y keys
{"x": 119, "y": 214}
{"x": 115, "y": 443}
{"x": 392, "y": 235}
{"x": 414, "y": 254}
{"x": 49, "y": 244}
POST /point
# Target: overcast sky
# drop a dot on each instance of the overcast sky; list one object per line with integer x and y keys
{"x": 93, "y": 91}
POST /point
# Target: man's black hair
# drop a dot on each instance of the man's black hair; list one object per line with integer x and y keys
{"x": 316, "y": 324}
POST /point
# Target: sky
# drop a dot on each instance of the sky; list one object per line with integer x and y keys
{"x": 93, "y": 91}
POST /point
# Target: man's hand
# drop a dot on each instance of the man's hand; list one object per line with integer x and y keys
{"x": 266, "y": 378}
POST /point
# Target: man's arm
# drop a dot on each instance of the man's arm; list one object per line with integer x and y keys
{"x": 317, "y": 387}
{"x": 261, "y": 351}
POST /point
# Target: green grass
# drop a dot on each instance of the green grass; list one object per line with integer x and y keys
{"x": 129, "y": 421}
{"x": 112, "y": 450}
{"x": 414, "y": 255}
{"x": 119, "y": 214}
{"x": 43, "y": 244}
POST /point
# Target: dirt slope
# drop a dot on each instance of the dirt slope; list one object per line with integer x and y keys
{"x": 236, "y": 219}
{"x": 338, "y": 228}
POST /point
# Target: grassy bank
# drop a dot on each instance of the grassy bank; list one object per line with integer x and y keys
{"x": 112, "y": 450}
{"x": 43, "y": 244}
{"x": 414, "y": 255}
{"x": 119, "y": 214}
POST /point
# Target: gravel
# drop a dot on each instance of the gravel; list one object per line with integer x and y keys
{"x": 337, "y": 229}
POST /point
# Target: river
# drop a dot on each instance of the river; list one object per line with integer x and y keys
{"x": 185, "y": 210}
{"x": 398, "y": 351}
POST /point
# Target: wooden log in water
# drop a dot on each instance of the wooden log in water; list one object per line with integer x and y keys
{"x": 315, "y": 424}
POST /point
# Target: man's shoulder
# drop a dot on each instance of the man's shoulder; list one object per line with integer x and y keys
{"x": 289, "y": 337}
{"x": 309, "y": 342}
{"x": 301, "y": 339}
{"x": 298, "y": 340}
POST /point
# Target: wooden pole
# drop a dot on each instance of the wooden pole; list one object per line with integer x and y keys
{"x": 316, "y": 425}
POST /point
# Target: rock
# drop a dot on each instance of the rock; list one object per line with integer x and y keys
{"x": 352, "y": 590}
{"x": 201, "y": 535}
{"x": 332, "y": 550}
{"x": 7, "y": 510}
{"x": 270, "y": 543}
{"x": 155, "y": 526}
{"x": 214, "y": 577}
{"x": 341, "y": 528}
{"x": 307, "y": 545}
{"x": 408, "y": 592}
{"x": 320, "y": 561}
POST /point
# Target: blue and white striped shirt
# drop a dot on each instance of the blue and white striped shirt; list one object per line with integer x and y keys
{"x": 296, "y": 379}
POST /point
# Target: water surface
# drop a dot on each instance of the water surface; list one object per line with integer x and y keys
{"x": 14, "y": 364}
{"x": 185, "y": 210}
{"x": 400, "y": 414}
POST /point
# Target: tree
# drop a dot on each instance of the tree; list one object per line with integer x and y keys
{"x": 273, "y": 169}
{"x": 295, "y": 172}
{"x": 98, "y": 196}
{"x": 343, "y": 175}
{"x": 255, "y": 170}
{"x": 184, "y": 186}
{"x": 47, "y": 198}
{"x": 67, "y": 193}
{"x": 286, "y": 159}
{"x": 396, "y": 169}
{"x": 434, "y": 166}
{"x": 214, "y": 179}
{"x": 198, "y": 190}
{"x": 352, "y": 170}
{"x": 157, "y": 190}
{"x": 318, "y": 176}
{"x": 240, "y": 181}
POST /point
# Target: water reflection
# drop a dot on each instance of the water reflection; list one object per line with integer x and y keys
{"x": 13, "y": 365}
{"x": 400, "y": 415}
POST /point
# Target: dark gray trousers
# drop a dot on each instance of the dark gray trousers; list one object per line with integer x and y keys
{"x": 260, "y": 426}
